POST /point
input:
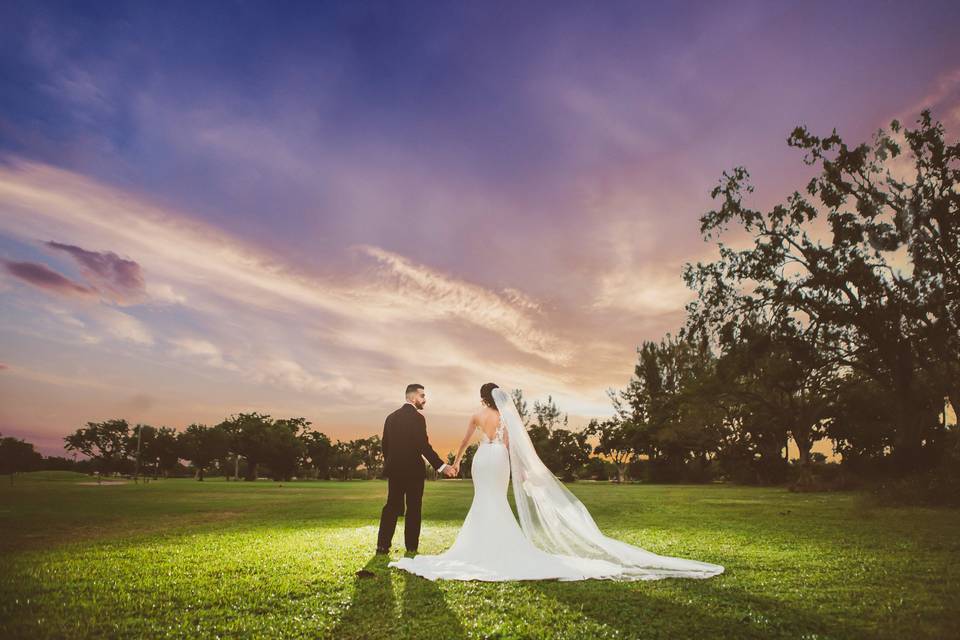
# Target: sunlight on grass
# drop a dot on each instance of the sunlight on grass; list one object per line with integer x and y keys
{"x": 178, "y": 558}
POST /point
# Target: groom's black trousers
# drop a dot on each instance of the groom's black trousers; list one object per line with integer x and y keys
{"x": 398, "y": 489}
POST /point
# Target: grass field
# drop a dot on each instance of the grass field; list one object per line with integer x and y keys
{"x": 179, "y": 558}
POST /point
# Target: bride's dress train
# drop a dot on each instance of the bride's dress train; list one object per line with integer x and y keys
{"x": 492, "y": 546}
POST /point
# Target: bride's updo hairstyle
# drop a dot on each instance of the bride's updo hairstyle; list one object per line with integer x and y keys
{"x": 486, "y": 394}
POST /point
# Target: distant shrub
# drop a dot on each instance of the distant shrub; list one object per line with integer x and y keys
{"x": 597, "y": 469}
{"x": 939, "y": 486}
{"x": 820, "y": 475}
{"x": 672, "y": 471}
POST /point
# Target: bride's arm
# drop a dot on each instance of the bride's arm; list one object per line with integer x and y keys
{"x": 471, "y": 427}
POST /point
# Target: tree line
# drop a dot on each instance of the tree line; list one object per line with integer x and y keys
{"x": 242, "y": 446}
{"x": 247, "y": 445}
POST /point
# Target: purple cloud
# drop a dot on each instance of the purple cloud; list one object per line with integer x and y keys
{"x": 44, "y": 277}
{"x": 118, "y": 276}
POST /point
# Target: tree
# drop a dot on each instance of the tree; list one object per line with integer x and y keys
{"x": 563, "y": 451}
{"x": 548, "y": 415}
{"x": 848, "y": 296}
{"x": 17, "y": 456}
{"x": 105, "y": 442}
{"x": 665, "y": 411}
{"x": 155, "y": 447}
{"x": 202, "y": 446}
{"x": 572, "y": 452}
{"x": 284, "y": 447}
{"x": 318, "y": 451}
{"x": 615, "y": 441}
{"x": 345, "y": 459}
{"x": 164, "y": 451}
{"x": 251, "y": 439}
{"x": 863, "y": 427}
{"x": 521, "y": 404}
{"x": 231, "y": 458}
{"x": 370, "y": 452}
{"x": 781, "y": 376}
{"x": 138, "y": 444}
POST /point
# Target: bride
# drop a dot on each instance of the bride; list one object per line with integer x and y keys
{"x": 556, "y": 537}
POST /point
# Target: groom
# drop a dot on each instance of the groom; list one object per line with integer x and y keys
{"x": 404, "y": 442}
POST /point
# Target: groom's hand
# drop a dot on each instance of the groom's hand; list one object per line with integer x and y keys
{"x": 449, "y": 472}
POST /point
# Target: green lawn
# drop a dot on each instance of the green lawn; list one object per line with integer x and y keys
{"x": 179, "y": 558}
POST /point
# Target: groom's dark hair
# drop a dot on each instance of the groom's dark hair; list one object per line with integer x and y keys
{"x": 411, "y": 388}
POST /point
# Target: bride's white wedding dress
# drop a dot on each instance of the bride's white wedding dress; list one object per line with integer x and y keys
{"x": 492, "y": 546}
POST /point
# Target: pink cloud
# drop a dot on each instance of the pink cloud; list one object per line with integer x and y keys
{"x": 120, "y": 277}
{"x": 43, "y": 277}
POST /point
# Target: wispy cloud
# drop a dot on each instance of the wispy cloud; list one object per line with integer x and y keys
{"x": 943, "y": 98}
{"x": 426, "y": 291}
{"x": 122, "y": 326}
{"x": 206, "y": 351}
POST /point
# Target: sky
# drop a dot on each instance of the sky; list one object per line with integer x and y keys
{"x": 299, "y": 208}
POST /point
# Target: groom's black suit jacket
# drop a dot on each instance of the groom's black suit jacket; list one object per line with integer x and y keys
{"x": 404, "y": 441}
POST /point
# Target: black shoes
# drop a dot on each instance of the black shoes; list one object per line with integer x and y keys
{"x": 382, "y": 551}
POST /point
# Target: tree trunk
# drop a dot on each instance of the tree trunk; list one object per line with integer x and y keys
{"x": 621, "y": 473}
{"x": 907, "y": 446}
{"x": 804, "y": 445}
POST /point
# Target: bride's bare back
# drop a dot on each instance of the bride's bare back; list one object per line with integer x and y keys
{"x": 488, "y": 421}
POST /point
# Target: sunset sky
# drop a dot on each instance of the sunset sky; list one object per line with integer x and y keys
{"x": 298, "y": 208}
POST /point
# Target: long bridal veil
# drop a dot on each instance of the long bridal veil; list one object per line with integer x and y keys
{"x": 557, "y": 522}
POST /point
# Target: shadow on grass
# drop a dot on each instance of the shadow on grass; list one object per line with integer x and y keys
{"x": 675, "y": 607}
{"x": 372, "y": 612}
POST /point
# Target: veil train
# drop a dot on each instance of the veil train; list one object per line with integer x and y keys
{"x": 557, "y": 522}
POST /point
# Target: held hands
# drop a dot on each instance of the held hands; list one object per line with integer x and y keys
{"x": 450, "y": 471}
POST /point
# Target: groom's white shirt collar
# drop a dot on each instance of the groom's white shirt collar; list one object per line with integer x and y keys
{"x": 443, "y": 465}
